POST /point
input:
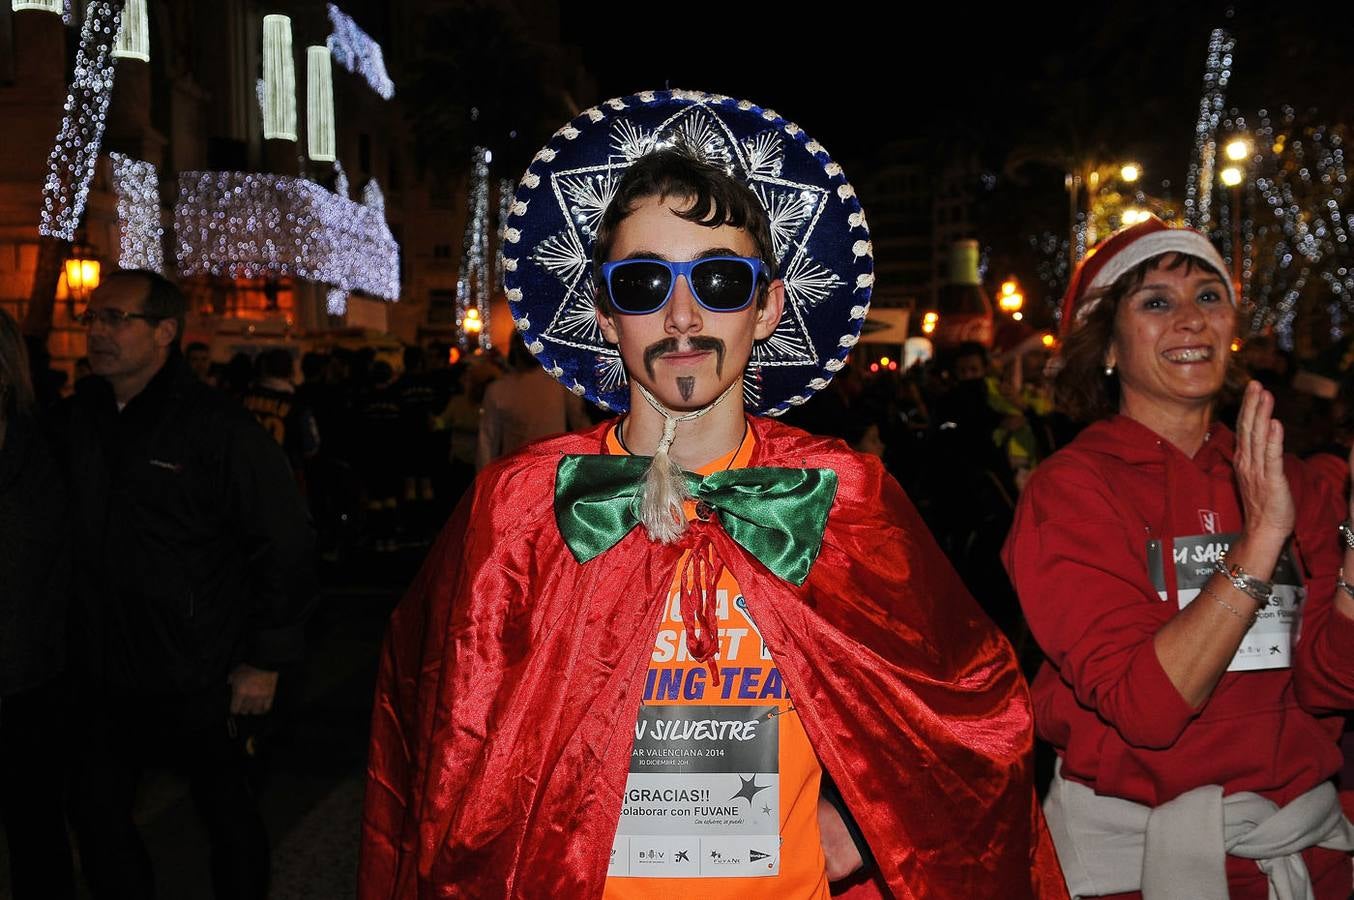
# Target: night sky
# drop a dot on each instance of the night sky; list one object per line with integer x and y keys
{"x": 1126, "y": 79}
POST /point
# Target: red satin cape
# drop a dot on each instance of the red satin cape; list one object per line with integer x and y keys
{"x": 511, "y": 677}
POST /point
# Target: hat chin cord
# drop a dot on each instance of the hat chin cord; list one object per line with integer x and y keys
{"x": 664, "y": 489}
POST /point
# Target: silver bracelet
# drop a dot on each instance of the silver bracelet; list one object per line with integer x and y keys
{"x": 1259, "y": 591}
{"x": 1250, "y": 620}
{"x": 1344, "y": 585}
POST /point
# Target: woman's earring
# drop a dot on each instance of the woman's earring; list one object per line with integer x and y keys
{"x": 1109, "y": 370}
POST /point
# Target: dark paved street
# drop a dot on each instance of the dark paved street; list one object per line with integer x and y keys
{"x": 312, "y": 777}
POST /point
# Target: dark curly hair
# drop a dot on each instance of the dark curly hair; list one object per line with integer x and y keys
{"x": 716, "y": 198}
{"x": 1081, "y": 388}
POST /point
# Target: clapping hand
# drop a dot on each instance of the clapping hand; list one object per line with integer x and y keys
{"x": 1266, "y": 499}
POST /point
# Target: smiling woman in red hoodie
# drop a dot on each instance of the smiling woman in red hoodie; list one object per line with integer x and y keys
{"x": 1182, "y": 581}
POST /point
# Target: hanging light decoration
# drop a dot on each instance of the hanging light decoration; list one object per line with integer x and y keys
{"x": 140, "y": 235}
{"x": 472, "y": 286}
{"x": 1199, "y": 179}
{"x": 354, "y": 49}
{"x": 319, "y": 105}
{"x": 133, "y": 41}
{"x": 336, "y": 302}
{"x": 279, "y": 79}
{"x": 71, "y": 163}
{"x": 255, "y": 225}
{"x": 1298, "y": 253}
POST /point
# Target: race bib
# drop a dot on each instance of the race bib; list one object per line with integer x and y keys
{"x": 703, "y": 796}
{"x": 1269, "y": 642}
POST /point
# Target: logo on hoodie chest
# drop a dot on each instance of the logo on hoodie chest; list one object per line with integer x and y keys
{"x": 1208, "y": 521}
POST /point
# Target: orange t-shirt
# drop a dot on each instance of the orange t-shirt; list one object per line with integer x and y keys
{"x": 722, "y": 797}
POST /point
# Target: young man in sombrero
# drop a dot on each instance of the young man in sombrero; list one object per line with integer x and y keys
{"x": 693, "y": 652}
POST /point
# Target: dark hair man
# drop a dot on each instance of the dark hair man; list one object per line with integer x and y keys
{"x": 194, "y": 580}
{"x": 273, "y": 400}
{"x": 691, "y": 652}
{"x": 199, "y": 359}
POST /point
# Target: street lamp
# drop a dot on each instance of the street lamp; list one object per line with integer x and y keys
{"x": 472, "y": 324}
{"x": 1238, "y": 149}
{"x": 81, "y": 275}
{"x": 1094, "y": 176}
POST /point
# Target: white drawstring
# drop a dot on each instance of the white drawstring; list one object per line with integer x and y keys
{"x": 664, "y": 489}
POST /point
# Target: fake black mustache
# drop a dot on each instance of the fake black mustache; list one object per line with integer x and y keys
{"x": 672, "y": 345}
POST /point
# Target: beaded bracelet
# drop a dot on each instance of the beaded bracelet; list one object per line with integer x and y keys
{"x": 1259, "y": 591}
{"x": 1232, "y": 609}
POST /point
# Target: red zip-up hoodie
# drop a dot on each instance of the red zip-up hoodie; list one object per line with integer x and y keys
{"x": 1078, "y": 557}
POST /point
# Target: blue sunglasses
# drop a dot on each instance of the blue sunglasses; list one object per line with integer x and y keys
{"x": 637, "y": 287}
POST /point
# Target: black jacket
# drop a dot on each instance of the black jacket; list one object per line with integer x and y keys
{"x": 196, "y": 551}
{"x": 34, "y": 560}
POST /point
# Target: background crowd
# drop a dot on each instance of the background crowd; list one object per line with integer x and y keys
{"x": 377, "y": 451}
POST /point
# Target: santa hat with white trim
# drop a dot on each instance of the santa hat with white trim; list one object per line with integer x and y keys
{"x": 1127, "y": 248}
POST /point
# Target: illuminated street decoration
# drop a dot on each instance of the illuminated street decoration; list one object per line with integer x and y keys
{"x": 279, "y": 79}
{"x": 133, "y": 41}
{"x": 71, "y": 163}
{"x": 373, "y": 198}
{"x": 138, "y": 188}
{"x": 319, "y": 105}
{"x": 354, "y": 49}
{"x": 51, "y": 6}
{"x": 336, "y": 302}
{"x": 472, "y": 286}
{"x": 341, "y": 181}
{"x": 253, "y": 225}
{"x": 1297, "y": 259}
{"x": 1199, "y": 179}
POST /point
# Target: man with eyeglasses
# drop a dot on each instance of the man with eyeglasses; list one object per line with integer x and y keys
{"x": 694, "y": 652}
{"x": 195, "y": 579}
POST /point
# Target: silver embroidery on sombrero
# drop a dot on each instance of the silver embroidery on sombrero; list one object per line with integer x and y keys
{"x": 793, "y": 207}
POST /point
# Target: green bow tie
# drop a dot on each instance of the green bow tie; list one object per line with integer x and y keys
{"x": 777, "y": 515}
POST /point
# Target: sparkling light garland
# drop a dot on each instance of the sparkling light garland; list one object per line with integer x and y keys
{"x": 139, "y": 233}
{"x": 1199, "y": 180}
{"x": 1052, "y": 267}
{"x": 354, "y": 49}
{"x": 336, "y": 302}
{"x": 1298, "y": 254}
{"x": 250, "y": 225}
{"x": 341, "y": 181}
{"x": 320, "y": 145}
{"x": 279, "y": 79}
{"x": 133, "y": 41}
{"x": 472, "y": 284}
{"x": 71, "y": 163}
{"x": 373, "y": 197}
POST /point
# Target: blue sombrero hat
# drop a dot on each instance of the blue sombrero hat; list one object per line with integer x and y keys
{"x": 822, "y": 243}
